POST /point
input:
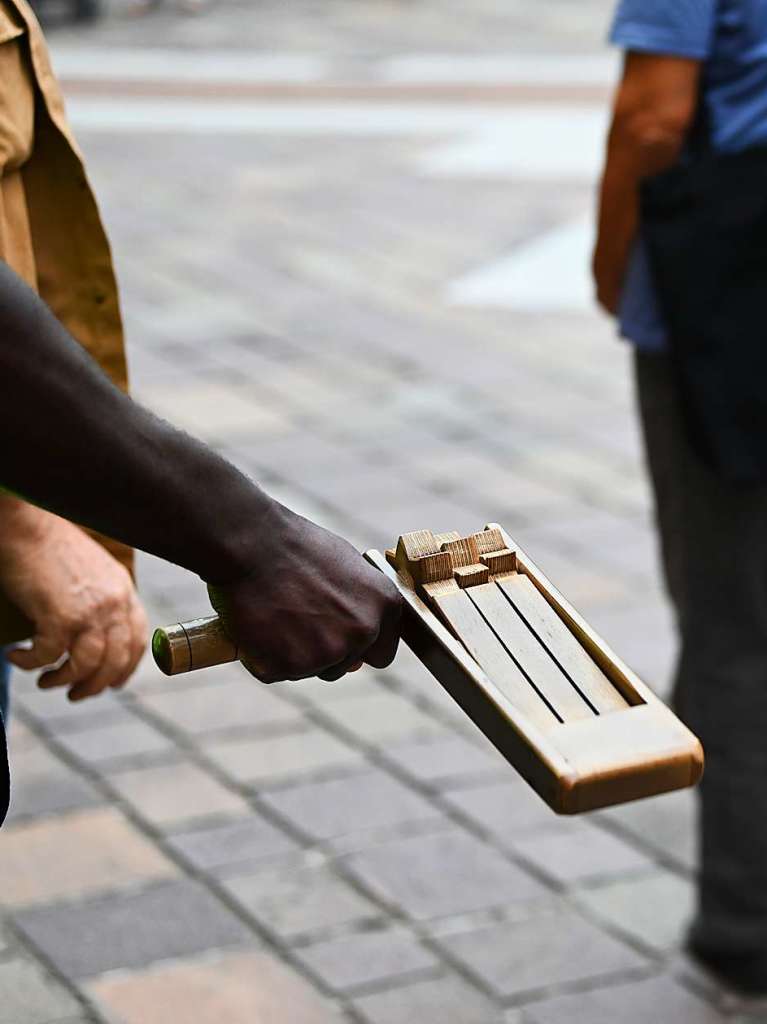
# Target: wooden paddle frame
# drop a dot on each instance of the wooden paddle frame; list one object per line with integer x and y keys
{"x": 638, "y": 751}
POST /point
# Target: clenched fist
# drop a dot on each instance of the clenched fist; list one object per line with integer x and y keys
{"x": 309, "y": 604}
{"x": 82, "y": 601}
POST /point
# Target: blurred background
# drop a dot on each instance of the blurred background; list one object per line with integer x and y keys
{"x": 353, "y": 238}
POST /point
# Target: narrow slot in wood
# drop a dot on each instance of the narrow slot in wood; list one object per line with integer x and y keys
{"x": 458, "y": 612}
{"x": 555, "y": 636}
{"x": 529, "y": 653}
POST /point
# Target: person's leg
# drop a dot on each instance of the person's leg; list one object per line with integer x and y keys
{"x": 714, "y": 541}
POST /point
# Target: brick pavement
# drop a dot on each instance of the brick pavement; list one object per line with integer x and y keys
{"x": 203, "y": 849}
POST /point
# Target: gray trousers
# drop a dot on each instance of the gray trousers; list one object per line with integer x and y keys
{"x": 714, "y": 545}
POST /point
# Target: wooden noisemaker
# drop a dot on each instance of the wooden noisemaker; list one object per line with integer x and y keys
{"x": 573, "y": 720}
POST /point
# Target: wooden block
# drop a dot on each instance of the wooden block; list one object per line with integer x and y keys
{"x": 419, "y": 555}
{"x": 557, "y": 638}
{"x": 412, "y": 546}
{"x": 471, "y": 575}
{"x": 463, "y": 551}
{"x": 445, "y": 538}
{"x": 431, "y": 568}
{"x": 628, "y": 755}
{"x": 499, "y": 562}
{"x": 464, "y": 620}
{"x": 577, "y": 766}
{"x": 489, "y": 540}
{"x": 529, "y": 654}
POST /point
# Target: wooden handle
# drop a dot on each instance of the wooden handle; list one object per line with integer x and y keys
{"x": 187, "y": 646}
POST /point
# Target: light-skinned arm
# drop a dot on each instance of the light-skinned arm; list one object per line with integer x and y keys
{"x": 81, "y": 600}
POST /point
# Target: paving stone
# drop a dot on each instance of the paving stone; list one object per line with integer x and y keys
{"x": 270, "y": 759}
{"x": 509, "y": 810}
{"x": 364, "y": 683}
{"x": 581, "y": 856}
{"x": 130, "y": 930}
{"x": 234, "y": 845}
{"x": 212, "y": 411}
{"x": 444, "y": 873}
{"x": 354, "y": 961}
{"x": 539, "y": 953}
{"x": 172, "y": 794}
{"x": 76, "y": 855}
{"x": 232, "y": 702}
{"x": 656, "y": 999}
{"x": 41, "y": 782}
{"x": 7, "y": 939}
{"x": 35, "y": 796}
{"x": 351, "y": 248}
{"x": 447, "y": 761}
{"x": 665, "y": 824}
{"x": 230, "y": 989}
{"x": 20, "y": 737}
{"x": 430, "y": 1002}
{"x": 325, "y": 810}
{"x": 105, "y": 745}
{"x": 38, "y": 761}
{"x": 32, "y": 996}
{"x": 381, "y": 718}
{"x": 654, "y": 909}
{"x": 293, "y": 901}
{"x": 53, "y": 710}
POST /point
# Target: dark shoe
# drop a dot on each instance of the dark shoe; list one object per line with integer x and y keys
{"x": 745, "y": 974}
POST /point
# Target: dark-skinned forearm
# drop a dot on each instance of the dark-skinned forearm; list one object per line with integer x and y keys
{"x": 73, "y": 443}
{"x": 654, "y": 110}
{"x": 618, "y": 221}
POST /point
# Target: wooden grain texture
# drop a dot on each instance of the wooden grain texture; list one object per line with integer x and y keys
{"x": 575, "y": 767}
{"x": 627, "y": 682}
{"x": 461, "y": 615}
{"x": 552, "y": 632}
{"x": 587, "y": 761}
{"x": 188, "y": 646}
{"x": 632, "y": 754}
{"x": 527, "y": 651}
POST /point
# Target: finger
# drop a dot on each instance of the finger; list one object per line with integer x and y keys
{"x": 138, "y": 626}
{"x": 46, "y": 649}
{"x": 260, "y": 672}
{"x": 84, "y": 658}
{"x": 383, "y": 650}
{"x": 112, "y": 668}
{"x": 331, "y": 675}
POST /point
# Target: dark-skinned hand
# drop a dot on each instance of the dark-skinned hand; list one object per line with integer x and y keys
{"x": 310, "y": 606}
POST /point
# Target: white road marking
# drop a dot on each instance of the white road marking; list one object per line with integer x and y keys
{"x": 542, "y": 143}
{"x": 140, "y": 114}
{"x": 549, "y": 274}
{"x": 600, "y": 69}
{"x": 188, "y": 66}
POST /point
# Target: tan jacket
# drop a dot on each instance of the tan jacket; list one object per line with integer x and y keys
{"x": 50, "y": 229}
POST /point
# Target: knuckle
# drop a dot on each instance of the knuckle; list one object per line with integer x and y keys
{"x": 294, "y": 667}
{"x": 365, "y": 636}
{"x": 334, "y": 649}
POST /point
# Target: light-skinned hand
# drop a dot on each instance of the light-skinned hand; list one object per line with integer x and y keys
{"x": 82, "y": 601}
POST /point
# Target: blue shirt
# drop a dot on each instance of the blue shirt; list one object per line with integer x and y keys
{"x": 731, "y": 37}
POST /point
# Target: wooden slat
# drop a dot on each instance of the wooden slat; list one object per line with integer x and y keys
{"x": 460, "y": 614}
{"x": 529, "y": 653}
{"x": 557, "y": 638}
